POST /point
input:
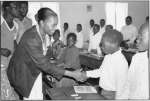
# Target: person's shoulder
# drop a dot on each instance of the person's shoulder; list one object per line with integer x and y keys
{"x": 140, "y": 55}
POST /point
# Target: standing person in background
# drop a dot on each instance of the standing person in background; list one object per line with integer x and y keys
{"x": 24, "y": 23}
{"x": 102, "y": 26}
{"x": 29, "y": 60}
{"x": 65, "y": 32}
{"x": 10, "y": 11}
{"x": 95, "y": 40}
{"x": 129, "y": 31}
{"x": 92, "y": 22}
{"x": 79, "y": 34}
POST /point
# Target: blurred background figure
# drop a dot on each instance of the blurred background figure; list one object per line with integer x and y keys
{"x": 79, "y": 34}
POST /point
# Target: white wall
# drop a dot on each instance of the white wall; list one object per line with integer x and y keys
{"x": 75, "y": 12}
{"x": 138, "y": 10}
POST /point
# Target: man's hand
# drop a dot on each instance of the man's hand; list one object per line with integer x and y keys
{"x": 80, "y": 76}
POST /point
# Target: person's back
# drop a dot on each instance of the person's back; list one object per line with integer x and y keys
{"x": 138, "y": 76}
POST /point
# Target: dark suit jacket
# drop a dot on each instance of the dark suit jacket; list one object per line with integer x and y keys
{"x": 28, "y": 61}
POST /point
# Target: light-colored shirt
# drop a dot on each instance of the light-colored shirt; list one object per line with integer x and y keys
{"x": 129, "y": 32}
{"x": 22, "y": 27}
{"x": 112, "y": 73}
{"x": 94, "y": 42}
{"x": 8, "y": 35}
{"x": 137, "y": 85}
{"x": 80, "y": 41}
{"x": 102, "y": 30}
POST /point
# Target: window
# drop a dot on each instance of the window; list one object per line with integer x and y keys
{"x": 116, "y": 13}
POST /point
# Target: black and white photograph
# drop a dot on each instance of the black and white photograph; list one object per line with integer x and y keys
{"x": 75, "y": 50}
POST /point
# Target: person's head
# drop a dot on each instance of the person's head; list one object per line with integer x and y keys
{"x": 128, "y": 20}
{"x": 11, "y": 8}
{"x": 71, "y": 39}
{"x": 23, "y": 8}
{"x": 142, "y": 39}
{"x": 79, "y": 27}
{"x": 56, "y": 34}
{"x": 111, "y": 41}
{"x": 147, "y": 19}
{"x": 102, "y": 22}
{"x": 47, "y": 20}
{"x": 108, "y": 27}
{"x": 66, "y": 26}
{"x": 96, "y": 28}
{"x": 92, "y": 22}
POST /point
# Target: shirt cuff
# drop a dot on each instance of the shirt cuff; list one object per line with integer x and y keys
{"x": 89, "y": 74}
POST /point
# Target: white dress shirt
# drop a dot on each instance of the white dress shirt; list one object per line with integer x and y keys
{"x": 80, "y": 41}
{"x": 112, "y": 73}
{"x": 137, "y": 85}
{"x": 94, "y": 42}
{"x": 129, "y": 32}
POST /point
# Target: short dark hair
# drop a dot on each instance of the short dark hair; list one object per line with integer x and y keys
{"x": 44, "y": 13}
{"x": 6, "y": 4}
{"x": 57, "y": 31}
{"x": 73, "y": 35}
{"x": 113, "y": 36}
{"x": 92, "y": 20}
{"x": 129, "y": 17}
{"x": 66, "y": 24}
{"x": 102, "y": 19}
{"x": 79, "y": 25}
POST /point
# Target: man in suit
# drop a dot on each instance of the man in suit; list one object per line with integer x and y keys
{"x": 29, "y": 60}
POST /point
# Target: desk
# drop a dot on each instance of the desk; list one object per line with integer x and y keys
{"x": 90, "y": 61}
{"x": 65, "y": 93}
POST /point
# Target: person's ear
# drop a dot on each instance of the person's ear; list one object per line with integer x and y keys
{"x": 41, "y": 23}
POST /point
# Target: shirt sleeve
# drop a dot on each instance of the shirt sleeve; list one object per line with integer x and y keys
{"x": 93, "y": 73}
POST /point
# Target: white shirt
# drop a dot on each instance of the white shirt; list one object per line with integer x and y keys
{"x": 129, "y": 32}
{"x": 137, "y": 86}
{"x": 80, "y": 41}
{"x": 112, "y": 73}
{"x": 102, "y": 30}
{"x": 94, "y": 42}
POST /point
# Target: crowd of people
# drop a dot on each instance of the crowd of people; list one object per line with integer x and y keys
{"x": 26, "y": 52}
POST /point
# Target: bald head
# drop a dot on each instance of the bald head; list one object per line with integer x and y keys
{"x": 113, "y": 36}
{"x": 111, "y": 40}
{"x": 143, "y": 37}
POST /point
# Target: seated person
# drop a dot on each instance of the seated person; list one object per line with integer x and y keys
{"x": 57, "y": 45}
{"x": 69, "y": 59}
{"x": 113, "y": 71}
{"x": 137, "y": 85}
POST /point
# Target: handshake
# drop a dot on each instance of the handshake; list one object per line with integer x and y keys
{"x": 79, "y": 75}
